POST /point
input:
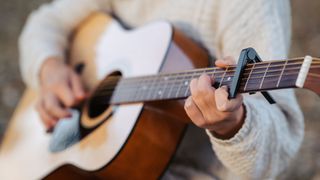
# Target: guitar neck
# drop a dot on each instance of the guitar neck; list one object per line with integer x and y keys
{"x": 256, "y": 77}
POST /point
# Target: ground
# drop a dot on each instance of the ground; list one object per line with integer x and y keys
{"x": 305, "y": 40}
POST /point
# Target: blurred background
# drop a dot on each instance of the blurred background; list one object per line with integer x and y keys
{"x": 305, "y": 40}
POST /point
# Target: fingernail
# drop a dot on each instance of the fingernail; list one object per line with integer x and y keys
{"x": 224, "y": 87}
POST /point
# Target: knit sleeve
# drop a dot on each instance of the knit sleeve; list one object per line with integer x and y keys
{"x": 271, "y": 134}
{"x": 46, "y": 33}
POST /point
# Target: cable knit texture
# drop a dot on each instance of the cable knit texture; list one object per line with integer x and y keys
{"x": 271, "y": 134}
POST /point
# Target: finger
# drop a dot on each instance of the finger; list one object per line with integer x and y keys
{"x": 65, "y": 94}
{"x": 223, "y": 103}
{"x": 76, "y": 86}
{"x": 48, "y": 121}
{"x": 227, "y": 61}
{"x": 193, "y": 112}
{"x": 204, "y": 97}
{"x": 54, "y": 108}
{"x": 197, "y": 89}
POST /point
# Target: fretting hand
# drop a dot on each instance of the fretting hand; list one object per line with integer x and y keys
{"x": 210, "y": 108}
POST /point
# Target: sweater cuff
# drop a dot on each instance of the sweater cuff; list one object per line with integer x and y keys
{"x": 241, "y": 134}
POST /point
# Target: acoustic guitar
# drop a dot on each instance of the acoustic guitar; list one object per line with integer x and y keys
{"x": 133, "y": 121}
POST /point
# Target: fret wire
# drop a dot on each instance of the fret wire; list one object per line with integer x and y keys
{"x": 138, "y": 84}
{"x": 155, "y": 87}
{"x": 164, "y": 87}
{"x": 223, "y": 76}
{"x": 178, "y": 91}
{"x": 152, "y": 87}
{"x": 170, "y": 90}
{"x": 264, "y": 76}
{"x": 143, "y": 88}
{"x": 249, "y": 76}
{"x": 188, "y": 88}
{"x": 275, "y": 79}
{"x": 137, "y": 89}
{"x": 213, "y": 73}
{"x": 171, "y": 85}
{"x": 281, "y": 73}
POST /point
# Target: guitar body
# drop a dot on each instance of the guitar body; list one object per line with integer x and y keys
{"x": 133, "y": 141}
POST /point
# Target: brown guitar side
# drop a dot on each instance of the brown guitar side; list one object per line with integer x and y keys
{"x": 160, "y": 126}
{"x": 312, "y": 80}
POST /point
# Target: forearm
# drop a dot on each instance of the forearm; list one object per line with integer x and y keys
{"x": 271, "y": 134}
{"x": 270, "y": 137}
{"x": 46, "y": 34}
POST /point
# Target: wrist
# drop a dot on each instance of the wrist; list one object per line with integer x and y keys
{"x": 230, "y": 127}
{"x": 49, "y": 66}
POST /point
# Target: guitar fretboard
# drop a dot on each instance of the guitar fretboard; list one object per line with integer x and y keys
{"x": 256, "y": 77}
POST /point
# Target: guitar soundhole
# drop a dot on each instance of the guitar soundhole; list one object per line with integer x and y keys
{"x": 99, "y": 100}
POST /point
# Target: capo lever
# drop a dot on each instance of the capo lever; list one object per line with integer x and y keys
{"x": 247, "y": 56}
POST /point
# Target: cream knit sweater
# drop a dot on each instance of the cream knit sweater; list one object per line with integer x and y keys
{"x": 271, "y": 134}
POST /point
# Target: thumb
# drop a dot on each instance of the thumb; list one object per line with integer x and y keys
{"x": 77, "y": 86}
{"x": 226, "y": 61}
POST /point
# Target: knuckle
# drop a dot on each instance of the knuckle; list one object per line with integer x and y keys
{"x": 208, "y": 118}
{"x": 189, "y": 110}
{"x": 70, "y": 101}
{"x": 187, "y": 105}
{"x": 201, "y": 123}
{"x": 201, "y": 92}
{"x": 49, "y": 104}
{"x": 223, "y": 107}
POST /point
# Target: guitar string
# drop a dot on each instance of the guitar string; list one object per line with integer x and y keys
{"x": 184, "y": 74}
{"x": 127, "y": 80}
{"x": 259, "y": 67}
{"x": 252, "y": 82}
{"x": 142, "y": 99}
{"x": 213, "y": 68}
{"x": 158, "y": 77}
{"x": 111, "y": 85}
{"x": 111, "y": 91}
{"x": 176, "y": 84}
